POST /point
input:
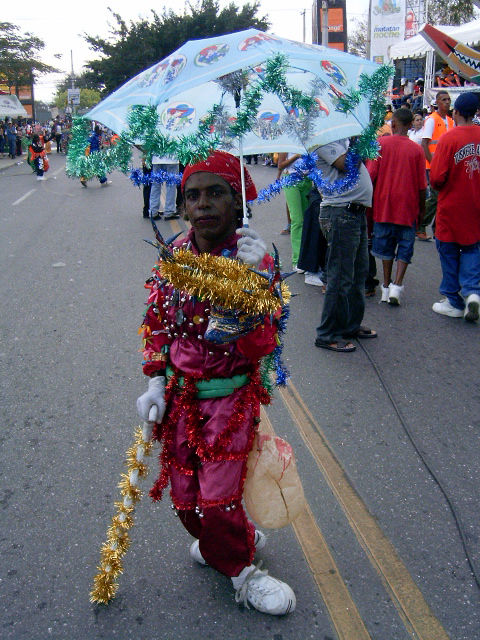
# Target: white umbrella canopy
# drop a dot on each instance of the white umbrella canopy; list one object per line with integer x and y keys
{"x": 11, "y": 107}
{"x": 184, "y": 87}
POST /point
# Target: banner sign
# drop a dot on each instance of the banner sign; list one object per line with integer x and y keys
{"x": 387, "y": 27}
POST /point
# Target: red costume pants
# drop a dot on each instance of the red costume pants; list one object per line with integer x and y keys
{"x": 206, "y": 445}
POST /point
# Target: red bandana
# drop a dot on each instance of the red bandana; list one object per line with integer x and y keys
{"x": 227, "y": 167}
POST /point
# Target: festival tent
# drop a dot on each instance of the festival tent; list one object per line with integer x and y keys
{"x": 11, "y": 107}
{"x": 418, "y": 47}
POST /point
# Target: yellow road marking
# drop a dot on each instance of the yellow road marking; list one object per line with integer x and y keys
{"x": 344, "y": 614}
{"x": 417, "y": 616}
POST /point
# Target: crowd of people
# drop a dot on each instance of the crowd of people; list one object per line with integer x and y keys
{"x": 16, "y": 135}
{"x": 335, "y": 239}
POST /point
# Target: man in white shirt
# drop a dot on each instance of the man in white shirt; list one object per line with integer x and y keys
{"x": 169, "y": 165}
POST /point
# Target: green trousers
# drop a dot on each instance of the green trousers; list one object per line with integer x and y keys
{"x": 297, "y": 202}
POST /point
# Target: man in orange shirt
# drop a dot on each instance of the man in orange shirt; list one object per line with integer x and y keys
{"x": 438, "y": 123}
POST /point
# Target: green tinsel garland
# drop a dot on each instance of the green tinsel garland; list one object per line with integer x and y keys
{"x": 373, "y": 88}
{"x": 267, "y": 371}
{"x": 143, "y": 124}
{"x": 96, "y": 164}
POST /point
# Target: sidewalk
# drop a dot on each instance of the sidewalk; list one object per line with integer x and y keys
{"x": 6, "y": 163}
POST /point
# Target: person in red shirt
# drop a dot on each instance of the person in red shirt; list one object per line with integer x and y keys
{"x": 399, "y": 186}
{"x": 455, "y": 174}
{"x": 207, "y": 414}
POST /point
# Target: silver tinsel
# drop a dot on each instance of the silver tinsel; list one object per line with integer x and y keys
{"x": 234, "y": 82}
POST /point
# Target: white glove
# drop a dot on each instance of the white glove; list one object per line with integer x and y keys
{"x": 251, "y": 248}
{"x": 151, "y": 404}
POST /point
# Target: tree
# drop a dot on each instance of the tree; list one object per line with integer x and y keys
{"x": 88, "y": 98}
{"x": 132, "y": 48}
{"x": 453, "y": 12}
{"x": 19, "y": 63}
{"x": 357, "y": 41}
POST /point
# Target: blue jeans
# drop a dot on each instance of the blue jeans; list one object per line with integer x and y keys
{"x": 393, "y": 241}
{"x": 346, "y": 268}
{"x": 460, "y": 271}
{"x": 156, "y": 191}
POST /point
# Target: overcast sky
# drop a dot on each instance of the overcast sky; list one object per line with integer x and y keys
{"x": 61, "y": 24}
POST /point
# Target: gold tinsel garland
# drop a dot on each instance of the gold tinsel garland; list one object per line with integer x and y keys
{"x": 105, "y": 583}
{"x": 228, "y": 283}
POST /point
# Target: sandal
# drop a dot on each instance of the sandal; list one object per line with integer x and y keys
{"x": 363, "y": 333}
{"x": 340, "y": 345}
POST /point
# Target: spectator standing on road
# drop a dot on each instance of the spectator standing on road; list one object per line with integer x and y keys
{"x": 57, "y": 134}
{"x": 169, "y": 165}
{"x": 297, "y": 201}
{"x": 416, "y": 132}
{"x": 455, "y": 173}
{"x": 437, "y": 123}
{"x": 3, "y": 139}
{"x": 344, "y": 224}
{"x": 11, "y": 139}
{"x": 399, "y": 185}
{"x": 208, "y": 417}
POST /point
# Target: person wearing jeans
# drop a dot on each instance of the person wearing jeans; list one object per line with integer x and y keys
{"x": 345, "y": 228}
{"x": 343, "y": 222}
{"x": 455, "y": 174}
{"x": 169, "y": 166}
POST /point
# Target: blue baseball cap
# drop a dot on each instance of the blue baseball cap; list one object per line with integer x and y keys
{"x": 467, "y": 104}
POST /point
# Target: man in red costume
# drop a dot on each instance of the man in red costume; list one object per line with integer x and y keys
{"x": 204, "y": 396}
{"x": 455, "y": 173}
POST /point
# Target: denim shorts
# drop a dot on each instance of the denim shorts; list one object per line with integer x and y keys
{"x": 393, "y": 241}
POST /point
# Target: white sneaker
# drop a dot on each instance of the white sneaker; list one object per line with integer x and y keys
{"x": 313, "y": 279}
{"x": 298, "y": 270}
{"x": 394, "y": 293}
{"x": 472, "y": 308}
{"x": 446, "y": 309}
{"x": 265, "y": 593}
{"x": 40, "y": 177}
{"x": 260, "y": 541}
{"x": 106, "y": 184}
{"x": 385, "y": 294}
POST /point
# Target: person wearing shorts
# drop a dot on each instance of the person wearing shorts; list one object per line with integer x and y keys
{"x": 393, "y": 242}
{"x": 399, "y": 186}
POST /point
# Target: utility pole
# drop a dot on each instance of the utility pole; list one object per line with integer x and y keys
{"x": 73, "y": 81}
{"x": 304, "y": 31}
{"x": 325, "y": 23}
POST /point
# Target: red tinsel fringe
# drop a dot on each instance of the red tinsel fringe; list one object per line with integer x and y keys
{"x": 186, "y": 407}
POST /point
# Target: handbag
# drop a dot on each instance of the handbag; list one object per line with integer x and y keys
{"x": 273, "y": 491}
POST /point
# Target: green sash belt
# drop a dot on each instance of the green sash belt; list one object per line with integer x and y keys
{"x": 215, "y": 387}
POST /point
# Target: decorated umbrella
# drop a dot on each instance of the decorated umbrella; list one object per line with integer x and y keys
{"x": 246, "y": 92}
{"x": 185, "y": 86}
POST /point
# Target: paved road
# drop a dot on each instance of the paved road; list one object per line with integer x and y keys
{"x": 376, "y": 555}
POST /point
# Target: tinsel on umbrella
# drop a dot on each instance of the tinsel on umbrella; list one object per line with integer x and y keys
{"x": 81, "y": 165}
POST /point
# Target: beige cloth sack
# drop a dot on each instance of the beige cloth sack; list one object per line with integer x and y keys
{"x": 273, "y": 492}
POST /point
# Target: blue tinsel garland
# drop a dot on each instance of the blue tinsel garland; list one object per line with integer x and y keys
{"x": 158, "y": 177}
{"x": 281, "y": 371}
{"x": 305, "y": 167}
